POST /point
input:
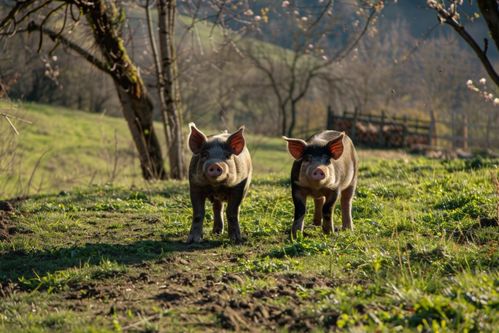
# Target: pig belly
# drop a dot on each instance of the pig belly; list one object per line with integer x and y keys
{"x": 315, "y": 193}
{"x": 219, "y": 194}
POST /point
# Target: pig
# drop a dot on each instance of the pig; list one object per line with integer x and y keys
{"x": 220, "y": 171}
{"x": 325, "y": 166}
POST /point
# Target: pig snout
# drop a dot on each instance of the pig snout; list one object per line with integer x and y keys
{"x": 214, "y": 170}
{"x": 318, "y": 174}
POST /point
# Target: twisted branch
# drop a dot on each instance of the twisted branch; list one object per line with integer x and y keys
{"x": 57, "y": 37}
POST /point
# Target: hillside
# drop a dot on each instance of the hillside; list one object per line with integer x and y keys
{"x": 64, "y": 148}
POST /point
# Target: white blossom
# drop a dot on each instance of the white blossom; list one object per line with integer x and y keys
{"x": 285, "y": 4}
{"x": 432, "y": 3}
{"x": 483, "y": 81}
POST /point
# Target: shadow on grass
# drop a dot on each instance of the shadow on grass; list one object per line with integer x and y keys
{"x": 16, "y": 264}
{"x": 171, "y": 189}
{"x": 277, "y": 181}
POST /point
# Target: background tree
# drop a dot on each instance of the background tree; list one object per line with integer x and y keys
{"x": 104, "y": 19}
{"x": 165, "y": 64}
{"x": 449, "y": 13}
{"x": 290, "y": 72}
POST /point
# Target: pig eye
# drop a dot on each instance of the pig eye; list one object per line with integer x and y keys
{"x": 307, "y": 158}
{"x": 227, "y": 155}
{"x": 204, "y": 154}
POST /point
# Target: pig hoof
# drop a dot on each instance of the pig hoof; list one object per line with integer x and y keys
{"x": 218, "y": 231}
{"x": 194, "y": 239}
{"x": 318, "y": 222}
{"x": 236, "y": 239}
{"x": 327, "y": 230}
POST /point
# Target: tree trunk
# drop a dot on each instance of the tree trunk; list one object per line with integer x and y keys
{"x": 138, "y": 115}
{"x": 284, "y": 120}
{"x": 490, "y": 12}
{"x": 103, "y": 18}
{"x": 292, "y": 123}
{"x": 167, "y": 12}
{"x": 159, "y": 77}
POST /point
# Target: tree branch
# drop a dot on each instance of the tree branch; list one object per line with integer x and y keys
{"x": 371, "y": 16}
{"x": 449, "y": 19}
{"x": 490, "y": 12}
{"x": 57, "y": 37}
{"x": 8, "y": 116}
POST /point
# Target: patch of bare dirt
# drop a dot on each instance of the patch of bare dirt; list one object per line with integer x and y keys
{"x": 257, "y": 310}
{"x": 214, "y": 301}
{"x": 7, "y": 228}
{"x": 486, "y": 222}
{"x": 469, "y": 235}
{"x": 92, "y": 291}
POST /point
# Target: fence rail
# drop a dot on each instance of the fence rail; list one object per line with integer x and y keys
{"x": 382, "y": 131}
{"x": 386, "y": 131}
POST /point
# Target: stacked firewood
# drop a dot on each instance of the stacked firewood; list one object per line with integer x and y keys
{"x": 392, "y": 134}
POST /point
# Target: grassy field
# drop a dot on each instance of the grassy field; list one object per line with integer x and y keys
{"x": 107, "y": 256}
{"x": 62, "y": 149}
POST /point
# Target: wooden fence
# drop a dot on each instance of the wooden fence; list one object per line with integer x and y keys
{"x": 386, "y": 131}
{"x": 381, "y": 130}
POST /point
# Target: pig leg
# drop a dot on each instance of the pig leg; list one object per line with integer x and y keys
{"x": 218, "y": 225}
{"x": 327, "y": 212}
{"x": 233, "y": 204}
{"x": 319, "y": 203}
{"x": 300, "y": 201}
{"x": 346, "y": 207}
{"x": 196, "y": 233}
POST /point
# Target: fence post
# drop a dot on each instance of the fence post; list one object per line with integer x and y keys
{"x": 487, "y": 129}
{"x": 465, "y": 131}
{"x": 404, "y": 133}
{"x": 381, "y": 136}
{"x": 330, "y": 118}
{"x": 433, "y": 130}
{"x": 354, "y": 124}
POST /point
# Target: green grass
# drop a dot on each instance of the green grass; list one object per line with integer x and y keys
{"x": 112, "y": 257}
{"x": 63, "y": 149}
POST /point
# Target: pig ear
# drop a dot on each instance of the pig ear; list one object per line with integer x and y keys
{"x": 295, "y": 147}
{"x": 335, "y": 146}
{"x": 236, "y": 141}
{"x": 196, "y": 139}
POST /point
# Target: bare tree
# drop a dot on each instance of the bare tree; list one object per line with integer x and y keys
{"x": 165, "y": 64}
{"x": 103, "y": 19}
{"x": 291, "y": 72}
{"x": 170, "y": 85}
